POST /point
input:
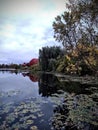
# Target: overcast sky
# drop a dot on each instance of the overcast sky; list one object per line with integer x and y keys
{"x": 26, "y": 26}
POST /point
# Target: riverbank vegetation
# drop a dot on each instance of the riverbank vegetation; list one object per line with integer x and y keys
{"x": 77, "y": 30}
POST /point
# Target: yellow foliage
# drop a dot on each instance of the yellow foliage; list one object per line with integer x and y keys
{"x": 71, "y": 68}
{"x": 90, "y": 61}
{"x": 82, "y": 55}
{"x": 74, "y": 53}
{"x": 68, "y": 58}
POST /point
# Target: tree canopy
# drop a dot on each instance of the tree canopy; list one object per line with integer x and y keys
{"x": 77, "y": 30}
{"x": 78, "y": 24}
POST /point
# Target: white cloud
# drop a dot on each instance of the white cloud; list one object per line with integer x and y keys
{"x": 7, "y": 30}
{"x": 28, "y": 6}
{"x": 25, "y": 27}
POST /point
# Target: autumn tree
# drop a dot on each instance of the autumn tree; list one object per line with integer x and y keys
{"x": 77, "y": 30}
{"x": 79, "y": 23}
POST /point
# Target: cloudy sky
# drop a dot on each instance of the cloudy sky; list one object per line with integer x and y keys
{"x": 26, "y": 26}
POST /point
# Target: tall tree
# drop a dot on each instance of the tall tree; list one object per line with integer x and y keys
{"x": 77, "y": 30}
{"x": 48, "y": 57}
{"x": 79, "y": 23}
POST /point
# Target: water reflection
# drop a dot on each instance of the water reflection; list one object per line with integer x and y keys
{"x": 49, "y": 84}
{"x": 76, "y": 113}
{"x": 78, "y": 109}
{"x": 32, "y": 77}
{"x": 65, "y": 105}
{"x": 21, "y": 106}
{"x": 11, "y": 71}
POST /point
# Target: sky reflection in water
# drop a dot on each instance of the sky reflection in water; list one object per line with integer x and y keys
{"x": 46, "y": 103}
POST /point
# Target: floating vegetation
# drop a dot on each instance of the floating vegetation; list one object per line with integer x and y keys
{"x": 57, "y": 99}
{"x": 68, "y": 106}
{"x": 82, "y": 79}
{"x": 22, "y": 115}
{"x": 29, "y": 122}
{"x": 10, "y": 93}
{"x": 77, "y": 111}
{"x": 33, "y": 128}
{"x": 40, "y": 114}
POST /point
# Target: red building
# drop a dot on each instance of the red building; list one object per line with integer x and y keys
{"x": 32, "y": 62}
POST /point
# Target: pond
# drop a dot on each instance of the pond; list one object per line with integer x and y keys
{"x": 43, "y": 102}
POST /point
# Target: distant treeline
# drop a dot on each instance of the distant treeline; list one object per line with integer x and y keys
{"x": 14, "y": 66}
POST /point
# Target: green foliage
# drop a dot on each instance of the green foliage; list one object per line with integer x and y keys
{"x": 48, "y": 57}
{"x": 77, "y": 30}
{"x": 34, "y": 68}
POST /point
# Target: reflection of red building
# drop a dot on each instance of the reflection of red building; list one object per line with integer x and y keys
{"x": 33, "y": 78}
{"x": 32, "y": 62}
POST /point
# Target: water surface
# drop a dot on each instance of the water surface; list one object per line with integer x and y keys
{"x": 31, "y": 102}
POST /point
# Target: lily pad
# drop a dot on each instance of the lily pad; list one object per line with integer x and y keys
{"x": 29, "y": 122}
{"x": 33, "y": 128}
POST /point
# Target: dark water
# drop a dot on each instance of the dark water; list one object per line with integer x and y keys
{"x": 42, "y": 102}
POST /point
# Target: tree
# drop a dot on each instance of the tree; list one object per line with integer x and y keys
{"x": 80, "y": 23}
{"x": 48, "y": 57}
{"x": 79, "y": 27}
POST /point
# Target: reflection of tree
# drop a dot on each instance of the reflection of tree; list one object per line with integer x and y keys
{"x": 76, "y": 87}
{"x": 48, "y": 84}
{"x": 76, "y": 113}
{"x": 11, "y": 71}
{"x": 32, "y": 77}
